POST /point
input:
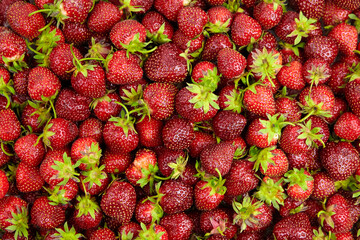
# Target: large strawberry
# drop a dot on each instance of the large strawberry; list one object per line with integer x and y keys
{"x": 231, "y": 63}
{"x": 295, "y": 226}
{"x": 245, "y": 30}
{"x": 119, "y": 201}
{"x": 28, "y": 178}
{"x": 341, "y": 127}
{"x": 10, "y": 129}
{"x": 191, "y": 21}
{"x": 103, "y": 17}
{"x": 175, "y": 196}
{"x": 259, "y": 100}
{"x": 158, "y": 29}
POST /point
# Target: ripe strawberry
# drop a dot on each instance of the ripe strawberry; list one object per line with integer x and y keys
{"x": 312, "y": 9}
{"x": 289, "y": 108}
{"x": 153, "y": 231}
{"x": 307, "y": 160}
{"x": 175, "y": 196}
{"x": 43, "y": 83}
{"x": 116, "y": 162}
{"x": 28, "y": 178}
{"x": 21, "y": 81}
{"x": 321, "y": 47}
{"x": 103, "y": 17}
{"x": 217, "y": 221}
{"x": 147, "y": 210}
{"x": 167, "y": 156}
{"x": 341, "y": 127}
{"x": 190, "y": 46}
{"x": 170, "y": 9}
{"x": 259, "y": 100}
{"x": 317, "y": 101}
{"x": 241, "y": 178}
{"x": 87, "y": 213}
{"x": 293, "y": 227}
{"x": 348, "y": 4}
{"x": 103, "y": 234}
{"x": 336, "y": 216}
{"x": 92, "y": 128}
{"x": 231, "y": 63}
{"x": 213, "y": 45}
{"x": 177, "y": 134}
{"x": 339, "y": 108}
{"x": 14, "y": 215}
{"x": 244, "y": 30}
{"x": 87, "y": 151}
{"x": 217, "y": 156}
{"x": 4, "y": 184}
{"x": 149, "y": 130}
{"x": 228, "y": 125}
{"x": 220, "y": 19}
{"x": 10, "y": 129}
{"x": 324, "y": 186}
{"x": 215, "y": 2}
{"x": 178, "y": 226}
{"x": 333, "y": 14}
{"x": 128, "y": 34}
{"x": 316, "y": 71}
{"x": 46, "y": 216}
{"x": 29, "y": 151}
{"x": 340, "y": 160}
{"x": 107, "y": 106}
{"x": 76, "y": 33}
{"x": 301, "y": 184}
{"x": 345, "y": 36}
{"x": 95, "y": 180}
{"x": 268, "y": 14}
{"x": 158, "y": 29}
{"x": 191, "y": 21}
{"x": 119, "y": 201}
{"x": 63, "y": 194}
{"x": 352, "y": 97}
{"x": 130, "y": 229}
{"x": 160, "y": 65}
{"x": 17, "y": 15}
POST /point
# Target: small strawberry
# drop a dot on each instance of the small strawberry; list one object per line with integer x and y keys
{"x": 103, "y": 234}
{"x": 153, "y": 231}
{"x": 10, "y": 129}
{"x": 149, "y": 130}
{"x": 87, "y": 151}
{"x": 316, "y": 71}
{"x": 94, "y": 180}
{"x": 28, "y": 178}
{"x": 245, "y": 30}
{"x": 35, "y": 116}
{"x": 191, "y": 21}
{"x": 119, "y": 201}
{"x": 177, "y": 134}
{"x": 148, "y": 210}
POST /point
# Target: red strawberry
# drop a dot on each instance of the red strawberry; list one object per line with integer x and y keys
{"x": 4, "y": 184}
{"x": 346, "y": 37}
{"x": 103, "y": 17}
{"x": 35, "y": 115}
{"x": 119, "y": 201}
{"x": 191, "y": 21}
{"x": 153, "y": 231}
{"x": 128, "y": 34}
{"x": 95, "y": 180}
{"x": 28, "y": 178}
{"x": 231, "y": 63}
{"x": 130, "y": 229}
{"x": 87, "y": 213}
{"x": 289, "y": 108}
{"x": 339, "y": 71}
{"x": 43, "y": 83}
{"x": 178, "y": 226}
{"x": 175, "y": 196}
{"x": 46, "y": 216}
{"x": 76, "y": 33}
{"x": 268, "y": 14}
{"x": 103, "y": 234}
{"x": 167, "y": 156}
{"x": 158, "y": 29}
{"x": 91, "y": 127}
{"x": 301, "y": 184}
{"x": 333, "y": 14}
{"x": 316, "y": 71}
{"x": 348, "y": 4}
{"x": 311, "y": 9}
{"x": 200, "y": 141}
{"x": 321, "y": 47}
{"x": 29, "y": 151}
{"x": 10, "y": 129}
{"x": 340, "y": 160}
{"x": 17, "y": 15}
{"x": 64, "y": 193}
{"x": 339, "y": 108}
{"x": 188, "y": 45}
{"x": 244, "y": 30}
{"x": 241, "y": 178}
{"x": 228, "y": 125}
{"x": 170, "y": 9}
{"x": 259, "y": 100}
{"x": 177, "y": 134}
{"x": 317, "y": 101}
{"x": 213, "y": 45}
{"x": 341, "y": 127}
{"x": 324, "y": 186}
{"x": 220, "y": 19}
{"x": 217, "y": 156}
{"x": 160, "y": 65}
{"x": 146, "y": 211}
{"x": 307, "y": 160}
{"x": 149, "y": 130}
{"x": 59, "y": 132}
{"x": 217, "y": 221}
{"x": 107, "y": 106}
{"x": 352, "y": 97}
{"x": 21, "y": 81}
{"x": 295, "y": 226}
{"x": 87, "y": 151}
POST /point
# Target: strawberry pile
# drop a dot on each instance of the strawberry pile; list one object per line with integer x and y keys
{"x": 179, "y": 119}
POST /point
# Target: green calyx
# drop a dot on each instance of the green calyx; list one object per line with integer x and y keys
{"x": 190, "y": 57}
{"x": 298, "y": 177}
{"x": 128, "y": 8}
{"x": 67, "y": 234}
{"x": 234, "y": 101}
{"x": 125, "y": 121}
{"x": 15, "y": 65}
{"x": 81, "y": 68}
{"x": 6, "y": 89}
{"x": 326, "y": 214}
{"x": 66, "y": 170}
{"x": 204, "y": 97}
{"x": 317, "y": 74}
{"x": 148, "y": 176}
{"x": 149, "y": 233}
{"x": 215, "y": 184}
{"x": 159, "y": 37}
{"x": 47, "y": 41}
{"x": 265, "y": 64}
{"x": 94, "y": 175}
{"x": 157, "y": 212}
{"x": 218, "y": 26}
{"x": 87, "y": 205}
{"x": 273, "y": 126}
{"x": 46, "y": 134}
{"x": 42, "y": 110}
{"x": 320, "y": 235}
{"x": 294, "y": 48}
{"x": 354, "y": 72}
{"x": 303, "y": 27}
{"x": 91, "y": 155}
{"x": 57, "y": 196}
{"x": 54, "y": 11}
{"x": 272, "y": 193}
{"x": 246, "y": 212}
{"x": 178, "y": 167}
{"x": 311, "y": 108}
{"x": 311, "y": 135}
{"x": 136, "y": 46}
{"x": 261, "y": 157}
{"x": 98, "y": 49}
{"x": 19, "y": 223}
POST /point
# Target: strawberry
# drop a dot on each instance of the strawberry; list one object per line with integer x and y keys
{"x": 28, "y": 178}
{"x": 170, "y": 9}
{"x": 149, "y": 130}
{"x": 87, "y": 213}
{"x": 178, "y": 226}
{"x": 153, "y": 231}
{"x": 340, "y": 160}
{"x": 103, "y": 234}
{"x": 116, "y": 162}
{"x": 333, "y": 14}
{"x": 348, "y": 4}
{"x": 76, "y": 33}
{"x": 95, "y": 180}
{"x": 321, "y": 47}
{"x": 91, "y": 127}
{"x": 259, "y": 100}
{"x": 301, "y": 184}
{"x": 106, "y": 106}
{"x": 72, "y": 106}
{"x": 119, "y": 201}
{"x": 215, "y": 2}
{"x": 245, "y": 30}
{"x": 345, "y": 36}
{"x": 228, "y": 125}
{"x": 295, "y": 226}
{"x": 128, "y": 34}
{"x": 63, "y": 194}
{"x": 289, "y": 108}
{"x": 213, "y": 45}
{"x": 231, "y": 63}
{"x": 175, "y": 196}
{"x": 324, "y": 186}
{"x": 217, "y": 222}
{"x": 17, "y": 15}
{"x": 147, "y": 210}
{"x": 177, "y": 134}
{"x": 248, "y": 235}
{"x": 34, "y": 116}
{"x": 312, "y": 9}
{"x": 220, "y": 19}
{"x": 339, "y": 71}
{"x": 87, "y": 151}
{"x": 45, "y": 215}
{"x": 103, "y": 17}
{"x": 217, "y": 156}
{"x": 21, "y": 81}
{"x": 316, "y": 71}
{"x": 191, "y": 21}
{"x": 158, "y": 29}
{"x": 307, "y": 160}
{"x": 341, "y": 126}
{"x": 167, "y": 156}
{"x": 241, "y": 178}
{"x": 268, "y": 13}
{"x": 43, "y": 84}
{"x": 4, "y": 184}
{"x": 14, "y": 216}
{"x": 352, "y": 97}
{"x": 129, "y": 230}
{"x": 10, "y": 129}
{"x": 339, "y": 108}
{"x": 160, "y": 65}
{"x": 190, "y": 46}
{"x": 251, "y": 214}
{"x": 336, "y": 216}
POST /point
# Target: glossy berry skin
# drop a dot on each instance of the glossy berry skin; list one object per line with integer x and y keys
{"x": 352, "y": 90}
{"x": 103, "y": 234}
{"x": 103, "y": 17}
{"x": 91, "y": 127}
{"x": 92, "y": 85}
{"x": 260, "y": 103}
{"x": 12, "y": 46}
{"x": 324, "y": 186}
{"x": 65, "y": 132}
{"x": 107, "y": 107}
{"x": 10, "y": 130}
{"x": 116, "y": 139}
{"x": 345, "y": 36}
{"x": 29, "y": 151}
{"x": 152, "y": 21}
{"x": 321, "y": 47}
{"x": 42, "y": 82}
{"x": 4, "y": 184}
{"x": 339, "y": 159}
{"x": 204, "y": 200}
{"x": 319, "y": 94}
{"x": 177, "y": 134}
{"x": 178, "y": 226}
{"x": 213, "y": 45}
{"x": 200, "y": 141}
{"x": 266, "y": 14}
{"x": 217, "y": 220}
{"x": 191, "y": 21}
{"x": 123, "y": 32}
{"x": 28, "y": 178}
{"x": 342, "y": 126}
{"x": 150, "y": 131}
{"x": 228, "y": 125}
{"x": 217, "y": 156}
{"x": 295, "y": 226}
{"x": 177, "y": 197}
{"x": 243, "y": 29}
{"x": 231, "y": 63}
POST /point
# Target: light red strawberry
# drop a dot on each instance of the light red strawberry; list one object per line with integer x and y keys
{"x": 346, "y": 37}
{"x": 341, "y": 127}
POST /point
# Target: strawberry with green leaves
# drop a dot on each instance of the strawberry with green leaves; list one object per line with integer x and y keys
{"x": 106, "y": 106}
{"x": 245, "y": 30}
{"x": 220, "y": 19}
{"x": 258, "y": 99}
{"x": 231, "y": 63}
{"x": 341, "y": 127}
{"x": 148, "y": 210}
{"x": 158, "y": 29}
{"x": 217, "y": 222}
{"x": 268, "y": 13}
{"x": 301, "y": 184}
{"x": 87, "y": 212}
{"x": 87, "y": 151}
